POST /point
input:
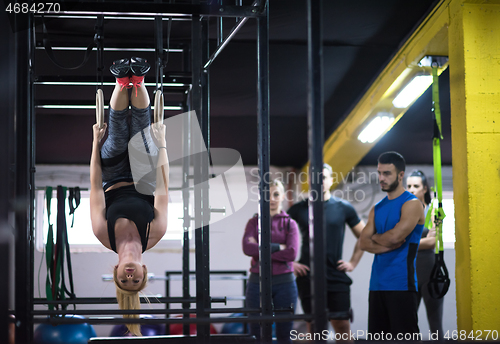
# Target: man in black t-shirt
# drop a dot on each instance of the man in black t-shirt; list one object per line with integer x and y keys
{"x": 338, "y": 213}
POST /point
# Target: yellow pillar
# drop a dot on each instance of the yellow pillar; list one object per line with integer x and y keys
{"x": 474, "y": 58}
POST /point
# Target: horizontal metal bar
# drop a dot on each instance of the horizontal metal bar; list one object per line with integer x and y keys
{"x": 144, "y": 311}
{"x": 129, "y": 311}
{"x": 114, "y": 311}
{"x": 179, "y": 188}
{"x": 113, "y": 17}
{"x": 54, "y": 191}
{"x": 213, "y": 272}
{"x": 152, "y": 277}
{"x": 187, "y": 339}
{"x": 219, "y": 278}
{"x": 83, "y": 102}
{"x": 112, "y": 300}
{"x": 218, "y": 320}
{"x": 244, "y": 310}
{"x": 209, "y": 176}
{"x": 88, "y": 83}
{"x": 92, "y": 107}
{"x": 135, "y": 8}
{"x": 110, "y": 49}
{"x": 84, "y": 80}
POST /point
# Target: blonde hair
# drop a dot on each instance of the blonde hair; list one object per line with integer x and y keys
{"x": 129, "y": 299}
{"x": 278, "y": 184}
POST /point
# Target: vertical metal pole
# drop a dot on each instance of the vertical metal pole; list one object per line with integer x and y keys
{"x": 186, "y": 65}
{"x": 167, "y": 304}
{"x": 7, "y": 97}
{"x": 315, "y": 137}
{"x": 220, "y": 28}
{"x": 5, "y": 287}
{"x": 245, "y": 325}
{"x": 205, "y": 131}
{"x": 100, "y": 51}
{"x": 159, "y": 51}
{"x": 196, "y": 45}
{"x": 238, "y": 3}
{"x": 24, "y": 194}
{"x": 186, "y": 146}
{"x": 263, "y": 151}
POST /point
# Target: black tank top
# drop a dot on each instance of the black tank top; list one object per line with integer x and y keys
{"x": 126, "y": 202}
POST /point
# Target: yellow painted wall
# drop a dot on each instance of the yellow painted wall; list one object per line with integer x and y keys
{"x": 474, "y": 52}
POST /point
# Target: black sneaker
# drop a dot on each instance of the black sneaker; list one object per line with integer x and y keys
{"x": 139, "y": 66}
{"x": 120, "y": 68}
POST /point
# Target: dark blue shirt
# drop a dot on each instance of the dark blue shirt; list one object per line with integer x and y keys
{"x": 337, "y": 212}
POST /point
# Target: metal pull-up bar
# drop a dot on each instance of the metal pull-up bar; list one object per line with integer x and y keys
{"x": 221, "y": 41}
{"x": 124, "y": 8}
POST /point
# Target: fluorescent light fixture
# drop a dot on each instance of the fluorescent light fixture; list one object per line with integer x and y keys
{"x": 92, "y": 107}
{"x": 377, "y": 127}
{"x": 78, "y": 107}
{"x": 426, "y": 61}
{"x": 412, "y": 91}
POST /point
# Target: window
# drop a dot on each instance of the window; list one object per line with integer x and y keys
{"x": 449, "y": 220}
{"x": 81, "y": 237}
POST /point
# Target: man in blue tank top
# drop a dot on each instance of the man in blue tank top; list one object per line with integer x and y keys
{"x": 393, "y": 233}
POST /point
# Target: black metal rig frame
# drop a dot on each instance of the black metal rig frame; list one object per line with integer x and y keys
{"x": 18, "y": 147}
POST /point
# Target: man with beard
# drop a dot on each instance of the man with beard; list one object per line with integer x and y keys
{"x": 393, "y": 233}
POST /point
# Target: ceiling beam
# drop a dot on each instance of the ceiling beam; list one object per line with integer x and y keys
{"x": 145, "y": 8}
{"x": 342, "y": 149}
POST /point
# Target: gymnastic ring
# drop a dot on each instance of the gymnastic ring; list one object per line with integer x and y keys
{"x": 158, "y": 113}
{"x": 99, "y": 108}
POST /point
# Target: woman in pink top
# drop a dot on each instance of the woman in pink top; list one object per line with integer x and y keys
{"x": 284, "y": 247}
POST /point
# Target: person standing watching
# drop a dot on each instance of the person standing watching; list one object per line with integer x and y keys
{"x": 393, "y": 234}
{"x": 417, "y": 184}
{"x": 338, "y": 213}
{"x": 284, "y": 246}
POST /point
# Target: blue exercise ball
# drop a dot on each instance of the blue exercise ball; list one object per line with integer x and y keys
{"x": 238, "y": 328}
{"x": 64, "y": 333}
{"x": 234, "y": 327}
{"x": 147, "y": 330}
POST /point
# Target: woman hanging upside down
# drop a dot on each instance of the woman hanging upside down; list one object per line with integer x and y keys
{"x": 125, "y": 220}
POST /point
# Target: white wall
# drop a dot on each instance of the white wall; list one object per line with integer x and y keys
{"x": 226, "y": 253}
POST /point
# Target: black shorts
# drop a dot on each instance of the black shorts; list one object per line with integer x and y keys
{"x": 338, "y": 302}
{"x": 393, "y": 312}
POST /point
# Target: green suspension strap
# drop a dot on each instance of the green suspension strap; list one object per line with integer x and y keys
{"x": 49, "y": 254}
{"x": 62, "y": 240}
{"x": 59, "y": 246}
{"x": 55, "y": 287}
{"x": 428, "y": 217}
{"x": 54, "y": 257}
{"x": 439, "y": 280}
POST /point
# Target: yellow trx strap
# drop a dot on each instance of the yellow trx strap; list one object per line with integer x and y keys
{"x": 439, "y": 280}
